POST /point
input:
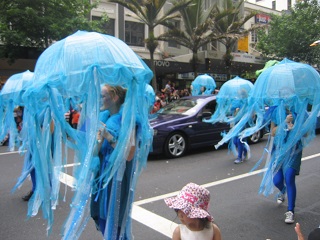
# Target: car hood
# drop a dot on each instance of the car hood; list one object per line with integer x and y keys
{"x": 162, "y": 119}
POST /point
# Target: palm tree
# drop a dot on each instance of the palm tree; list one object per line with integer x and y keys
{"x": 196, "y": 32}
{"x": 150, "y": 13}
{"x": 227, "y": 27}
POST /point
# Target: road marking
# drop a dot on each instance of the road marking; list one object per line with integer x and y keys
{"x": 153, "y": 221}
{"x": 7, "y": 153}
{"x": 226, "y": 180}
{"x": 150, "y": 219}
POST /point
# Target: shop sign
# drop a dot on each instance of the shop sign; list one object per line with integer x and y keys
{"x": 162, "y": 63}
{"x": 262, "y": 18}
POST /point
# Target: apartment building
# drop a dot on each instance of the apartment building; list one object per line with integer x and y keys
{"x": 172, "y": 60}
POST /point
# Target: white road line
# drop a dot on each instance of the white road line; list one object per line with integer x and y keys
{"x": 154, "y": 221}
{"x": 226, "y": 180}
{"x": 67, "y": 179}
{"x": 7, "y": 153}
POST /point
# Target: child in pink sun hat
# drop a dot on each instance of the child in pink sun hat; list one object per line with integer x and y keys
{"x": 191, "y": 206}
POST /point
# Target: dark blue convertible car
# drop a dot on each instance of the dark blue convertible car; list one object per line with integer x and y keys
{"x": 179, "y": 126}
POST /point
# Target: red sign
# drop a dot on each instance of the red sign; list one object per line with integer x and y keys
{"x": 262, "y": 18}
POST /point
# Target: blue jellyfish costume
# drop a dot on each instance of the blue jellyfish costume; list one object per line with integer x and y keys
{"x": 285, "y": 86}
{"x": 233, "y": 94}
{"x": 203, "y": 81}
{"x": 72, "y": 70}
{"x": 150, "y": 96}
{"x": 11, "y": 96}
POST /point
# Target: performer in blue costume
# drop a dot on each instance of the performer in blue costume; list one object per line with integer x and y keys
{"x": 83, "y": 62}
{"x": 232, "y": 105}
{"x": 108, "y": 214}
{"x": 285, "y": 86}
{"x": 284, "y": 178}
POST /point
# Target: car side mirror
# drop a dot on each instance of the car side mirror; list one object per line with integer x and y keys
{"x": 206, "y": 115}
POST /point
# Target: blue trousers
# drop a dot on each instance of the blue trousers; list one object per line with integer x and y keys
{"x": 33, "y": 179}
{"x": 242, "y": 151}
{"x": 289, "y": 181}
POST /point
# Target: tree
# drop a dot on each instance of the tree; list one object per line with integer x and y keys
{"x": 196, "y": 32}
{"x": 150, "y": 13}
{"x": 290, "y": 35}
{"x": 37, "y": 23}
{"x": 228, "y": 28}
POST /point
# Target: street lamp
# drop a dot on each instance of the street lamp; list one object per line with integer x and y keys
{"x": 315, "y": 43}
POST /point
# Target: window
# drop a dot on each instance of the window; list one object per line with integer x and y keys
{"x": 254, "y": 37}
{"x": 109, "y": 26}
{"x": 134, "y": 33}
{"x": 274, "y": 5}
{"x": 289, "y": 4}
{"x": 173, "y": 43}
{"x": 214, "y": 45}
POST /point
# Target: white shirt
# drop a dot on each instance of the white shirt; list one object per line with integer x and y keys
{"x": 205, "y": 234}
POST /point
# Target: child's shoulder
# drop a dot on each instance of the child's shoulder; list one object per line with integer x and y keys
{"x": 216, "y": 232}
{"x": 176, "y": 233}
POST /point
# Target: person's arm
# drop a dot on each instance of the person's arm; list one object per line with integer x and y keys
{"x": 176, "y": 234}
{"x": 104, "y": 133}
{"x": 133, "y": 146}
{"x": 108, "y": 136}
{"x": 273, "y": 129}
{"x": 217, "y": 233}
{"x": 288, "y": 120}
{"x": 298, "y": 232}
{"x": 51, "y": 126}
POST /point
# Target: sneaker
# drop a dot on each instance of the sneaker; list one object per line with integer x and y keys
{"x": 280, "y": 198}
{"x": 289, "y": 217}
{"x": 27, "y": 197}
{"x": 237, "y": 161}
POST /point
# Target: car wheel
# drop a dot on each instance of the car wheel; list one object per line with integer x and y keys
{"x": 254, "y": 138}
{"x": 176, "y": 145}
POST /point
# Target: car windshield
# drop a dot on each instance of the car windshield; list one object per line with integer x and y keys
{"x": 181, "y": 106}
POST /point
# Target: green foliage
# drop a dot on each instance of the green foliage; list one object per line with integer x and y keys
{"x": 290, "y": 35}
{"x": 153, "y": 13}
{"x": 228, "y": 27}
{"x": 37, "y": 23}
{"x": 197, "y": 29}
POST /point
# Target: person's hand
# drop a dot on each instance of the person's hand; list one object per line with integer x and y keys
{"x": 298, "y": 232}
{"x": 289, "y": 120}
{"x": 101, "y": 132}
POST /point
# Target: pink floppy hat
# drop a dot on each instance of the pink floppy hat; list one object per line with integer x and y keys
{"x": 193, "y": 200}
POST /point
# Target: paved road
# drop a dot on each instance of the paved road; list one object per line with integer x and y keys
{"x": 236, "y": 205}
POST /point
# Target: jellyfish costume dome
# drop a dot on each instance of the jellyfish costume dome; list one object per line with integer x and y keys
{"x": 285, "y": 87}
{"x": 10, "y": 97}
{"x": 233, "y": 94}
{"x": 72, "y": 71}
{"x": 232, "y": 98}
{"x": 203, "y": 85}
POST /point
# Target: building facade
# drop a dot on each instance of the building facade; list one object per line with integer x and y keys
{"x": 172, "y": 60}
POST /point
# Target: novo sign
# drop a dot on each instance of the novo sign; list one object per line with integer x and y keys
{"x": 161, "y": 63}
{"x": 262, "y": 18}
